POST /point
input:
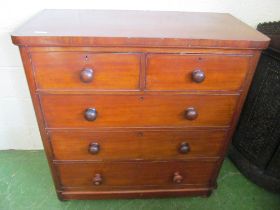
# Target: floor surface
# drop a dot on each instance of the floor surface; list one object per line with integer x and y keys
{"x": 25, "y": 183}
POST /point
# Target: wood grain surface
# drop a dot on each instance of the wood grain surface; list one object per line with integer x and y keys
{"x": 136, "y": 173}
{"x": 174, "y": 71}
{"x": 63, "y": 111}
{"x": 144, "y": 145}
{"x": 61, "y": 70}
{"x": 137, "y": 28}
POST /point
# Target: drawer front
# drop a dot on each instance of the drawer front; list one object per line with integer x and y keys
{"x": 99, "y": 174}
{"x": 196, "y": 72}
{"x": 137, "y": 111}
{"x": 136, "y": 145}
{"x": 77, "y": 70}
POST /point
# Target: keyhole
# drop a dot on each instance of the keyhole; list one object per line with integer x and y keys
{"x": 140, "y": 133}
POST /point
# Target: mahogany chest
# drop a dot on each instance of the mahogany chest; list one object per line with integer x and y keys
{"x": 136, "y": 103}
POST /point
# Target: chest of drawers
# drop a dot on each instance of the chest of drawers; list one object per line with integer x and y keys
{"x": 134, "y": 103}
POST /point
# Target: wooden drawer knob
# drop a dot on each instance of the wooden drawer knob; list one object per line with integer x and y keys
{"x": 97, "y": 180}
{"x": 198, "y": 76}
{"x": 90, "y": 114}
{"x": 94, "y": 148}
{"x": 86, "y": 75}
{"x": 184, "y": 148}
{"x": 191, "y": 113}
{"x": 177, "y": 178}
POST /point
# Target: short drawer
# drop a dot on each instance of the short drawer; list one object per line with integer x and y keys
{"x": 196, "y": 72}
{"x": 174, "y": 173}
{"x": 80, "y": 70}
{"x": 73, "y": 111}
{"x": 126, "y": 145}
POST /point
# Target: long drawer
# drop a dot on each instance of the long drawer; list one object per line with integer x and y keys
{"x": 173, "y": 173}
{"x": 86, "y": 71}
{"x": 126, "y": 145}
{"x": 196, "y": 71}
{"x": 91, "y": 111}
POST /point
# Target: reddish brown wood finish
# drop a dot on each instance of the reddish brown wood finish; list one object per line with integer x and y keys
{"x": 140, "y": 145}
{"x": 25, "y": 56}
{"x": 137, "y": 111}
{"x": 136, "y": 173}
{"x": 253, "y": 65}
{"x": 61, "y": 70}
{"x": 138, "y": 28}
{"x": 156, "y": 128}
{"x": 174, "y": 72}
{"x": 136, "y": 193}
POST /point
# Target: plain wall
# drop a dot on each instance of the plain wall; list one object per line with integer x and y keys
{"x": 18, "y": 127}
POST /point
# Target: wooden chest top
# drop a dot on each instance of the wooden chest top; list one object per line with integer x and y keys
{"x": 137, "y": 28}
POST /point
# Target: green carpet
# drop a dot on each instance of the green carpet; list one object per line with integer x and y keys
{"x": 25, "y": 183}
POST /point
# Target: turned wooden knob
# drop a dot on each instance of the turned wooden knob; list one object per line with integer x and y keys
{"x": 86, "y": 75}
{"x": 198, "y": 76}
{"x": 184, "y": 148}
{"x": 97, "y": 180}
{"x": 177, "y": 178}
{"x": 191, "y": 113}
{"x": 90, "y": 114}
{"x": 94, "y": 148}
